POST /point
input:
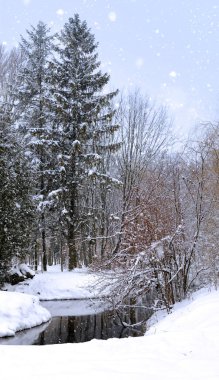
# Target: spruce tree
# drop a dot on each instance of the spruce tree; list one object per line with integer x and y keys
{"x": 84, "y": 119}
{"x": 15, "y": 201}
{"x": 34, "y": 117}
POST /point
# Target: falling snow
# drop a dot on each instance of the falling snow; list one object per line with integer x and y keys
{"x": 168, "y": 50}
{"x": 112, "y": 16}
{"x": 173, "y": 74}
{"x": 60, "y": 12}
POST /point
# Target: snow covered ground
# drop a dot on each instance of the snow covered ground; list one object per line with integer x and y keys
{"x": 181, "y": 346}
{"x": 20, "y": 311}
{"x": 57, "y": 285}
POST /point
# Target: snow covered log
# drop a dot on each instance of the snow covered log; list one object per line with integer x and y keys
{"x": 26, "y": 271}
{"x": 19, "y": 273}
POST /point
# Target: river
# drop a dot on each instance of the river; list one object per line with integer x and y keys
{"x": 76, "y": 321}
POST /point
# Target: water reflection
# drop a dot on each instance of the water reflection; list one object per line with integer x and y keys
{"x": 76, "y": 329}
{"x": 25, "y": 337}
{"x": 68, "y": 326}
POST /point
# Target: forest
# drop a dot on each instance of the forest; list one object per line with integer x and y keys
{"x": 90, "y": 177}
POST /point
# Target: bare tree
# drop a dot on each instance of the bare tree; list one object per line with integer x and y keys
{"x": 162, "y": 250}
{"x": 145, "y": 135}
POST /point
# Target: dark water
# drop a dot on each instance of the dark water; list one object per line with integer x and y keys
{"x": 96, "y": 323}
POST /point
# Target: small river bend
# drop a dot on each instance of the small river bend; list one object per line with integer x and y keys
{"x": 76, "y": 321}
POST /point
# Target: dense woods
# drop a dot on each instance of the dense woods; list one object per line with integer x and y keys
{"x": 90, "y": 177}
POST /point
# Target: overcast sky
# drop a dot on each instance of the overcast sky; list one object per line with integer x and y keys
{"x": 168, "y": 48}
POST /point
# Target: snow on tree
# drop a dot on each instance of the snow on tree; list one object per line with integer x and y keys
{"x": 84, "y": 119}
{"x": 33, "y": 110}
{"x": 16, "y": 207}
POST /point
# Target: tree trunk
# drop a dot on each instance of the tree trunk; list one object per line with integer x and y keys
{"x": 35, "y": 256}
{"x": 72, "y": 256}
{"x": 43, "y": 236}
{"x": 72, "y": 250}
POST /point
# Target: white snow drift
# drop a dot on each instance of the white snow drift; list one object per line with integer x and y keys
{"x": 20, "y": 311}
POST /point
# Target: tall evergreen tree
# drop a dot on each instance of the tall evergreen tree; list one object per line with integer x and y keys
{"x": 15, "y": 202}
{"x": 84, "y": 118}
{"x": 34, "y": 111}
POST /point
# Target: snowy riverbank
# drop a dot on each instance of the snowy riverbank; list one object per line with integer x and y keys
{"x": 20, "y": 311}
{"x": 183, "y": 345}
{"x": 57, "y": 285}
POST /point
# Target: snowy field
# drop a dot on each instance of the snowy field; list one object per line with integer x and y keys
{"x": 181, "y": 346}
